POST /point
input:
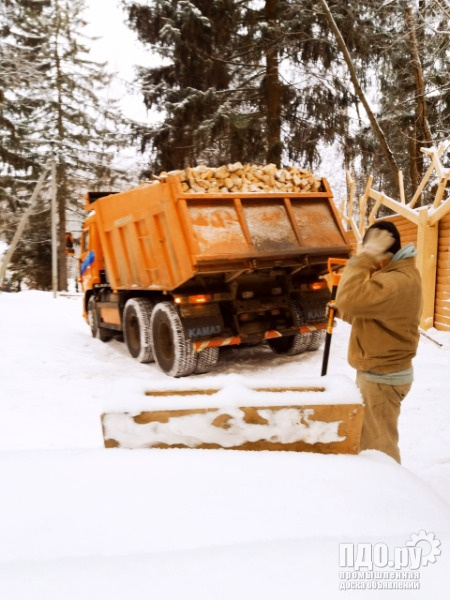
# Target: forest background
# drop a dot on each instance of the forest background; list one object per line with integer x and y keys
{"x": 255, "y": 81}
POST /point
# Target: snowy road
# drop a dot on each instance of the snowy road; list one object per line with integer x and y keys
{"x": 77, "y": 521}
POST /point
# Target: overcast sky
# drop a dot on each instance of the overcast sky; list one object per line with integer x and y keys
{"x": 118, "y": 46}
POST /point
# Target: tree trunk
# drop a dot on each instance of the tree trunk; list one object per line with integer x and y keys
{"x": 61, "y": 204}
{"x": 61, "y": 190}
{"x": 394, "y": 168}
{"x": 272, "y": 87}
{"x": 422, "y": 128}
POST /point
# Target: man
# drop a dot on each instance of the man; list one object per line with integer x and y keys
{"x": 380, "y": 295}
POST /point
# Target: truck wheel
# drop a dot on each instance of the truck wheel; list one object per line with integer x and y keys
{"x": 315, "y": 311}
{"x": 173, "y": 354}
{"x": 317, "y": 339}
{"x": 136, "y": 328}
{"x": 101, "y": 333}
{"x": 206, "y": 359}
{"x": 292, "y": 344}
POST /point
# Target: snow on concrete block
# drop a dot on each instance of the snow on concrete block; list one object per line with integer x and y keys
{"x": 259, "y": 418}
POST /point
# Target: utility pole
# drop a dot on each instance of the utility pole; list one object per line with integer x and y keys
{"x": 54, "y": 231}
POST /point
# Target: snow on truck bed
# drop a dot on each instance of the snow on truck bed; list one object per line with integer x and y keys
{"x": 79, "y": 521}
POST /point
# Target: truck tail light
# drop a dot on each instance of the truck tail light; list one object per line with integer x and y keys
{"x": 199, "y": 298}
{"x": 317, "y": 285}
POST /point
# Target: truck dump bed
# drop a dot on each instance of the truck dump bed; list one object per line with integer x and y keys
{"x": 158, "y": 237}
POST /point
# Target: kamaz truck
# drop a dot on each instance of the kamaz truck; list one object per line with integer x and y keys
{"x": 181, "y": 271}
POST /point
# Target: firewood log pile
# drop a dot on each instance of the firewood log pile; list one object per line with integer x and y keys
{"x": 245, "y": 178}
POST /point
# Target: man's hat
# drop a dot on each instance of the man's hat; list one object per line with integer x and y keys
{"x": 388, "y": 226}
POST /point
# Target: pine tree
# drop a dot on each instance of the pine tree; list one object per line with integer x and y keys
{"x": 70, "y": 123}
{"x": 402, "y": 64}
{"x": 19, "y": 69}
{"x": 267, "y": 81}
{"x": 239, "y": 81}
{"x": 191, "y": 87}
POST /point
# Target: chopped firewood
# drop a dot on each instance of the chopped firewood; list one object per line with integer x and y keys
{"x": 236, "y": 178}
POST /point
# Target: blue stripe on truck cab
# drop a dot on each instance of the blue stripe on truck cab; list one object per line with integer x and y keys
{"x": 87, "y": 262}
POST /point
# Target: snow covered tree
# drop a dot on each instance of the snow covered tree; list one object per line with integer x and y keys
{"x": 191, "y": 86}
{"x": 266, "y": 80}
{"x": 400, "y": 54}
{"x": 20, "y": 69}
{"x": 239, "y": 81}
{"x": 68, "y": 121}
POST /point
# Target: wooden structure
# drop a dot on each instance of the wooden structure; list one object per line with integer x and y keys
{"x": 264, "y": 418}
{"x": 427, "y": 226}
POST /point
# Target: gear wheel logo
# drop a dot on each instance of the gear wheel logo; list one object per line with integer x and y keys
{"x": 428, "y": 543}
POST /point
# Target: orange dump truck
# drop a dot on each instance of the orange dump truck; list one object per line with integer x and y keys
{"x": 182, "y": 273}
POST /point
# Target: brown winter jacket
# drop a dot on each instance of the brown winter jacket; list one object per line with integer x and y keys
{"x": 383, "y": 307}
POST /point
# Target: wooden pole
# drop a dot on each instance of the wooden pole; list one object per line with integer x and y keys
{"x": 22, "y": 224}
{"x": 401, "y": 186}
{"x": 54, "y": 232}
{"x": 427, "y": 248}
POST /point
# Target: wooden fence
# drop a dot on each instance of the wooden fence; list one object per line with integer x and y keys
{"x": 428, "y": 227}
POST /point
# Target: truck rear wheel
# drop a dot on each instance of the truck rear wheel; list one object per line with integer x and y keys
{"x": 292, "y": 344}
{"x": 206, "y": 359}
{"x": 94, "y": 322}
{"x": 136, "y": 328}
{"x": 173, "y": 354}
{"x": 314, "y": 311}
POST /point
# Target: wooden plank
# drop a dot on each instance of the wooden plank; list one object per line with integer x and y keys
{"x": 327, "y": 429}
{"x": 442, "y": 316}
{"x": 396, "y": 206}
{"x": 401, "y": 187}
{"x": 442, "y": 327}
{"x": 442, "y": 323}
{"x": 440, "y": 212}
{"x": 421, "y": 186}
{"x": 435, "y": 155}
{"x": 443, "y": 306}
{"x": 440, "y": 191}
{"x": 444, "y": 223}
{"x": 427, "y": 241}
{"x": 363, "y": 205}
{"x": 444, "y": 262}
{"x": 374, "y": 211}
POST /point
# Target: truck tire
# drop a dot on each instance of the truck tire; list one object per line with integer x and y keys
{"x": 136, "y": 329}
{"x": 292, "y": 344}
{"x": 317, "y": 339}
{"x": 314, "y": 310}
{"x": 98, "y": 332}
{"x": 173, "y": 354}
{"x": 206, "y": 359}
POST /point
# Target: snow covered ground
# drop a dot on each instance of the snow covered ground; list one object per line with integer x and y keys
{"x": 78, "y": 521}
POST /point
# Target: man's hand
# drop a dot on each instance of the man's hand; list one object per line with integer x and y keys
{"x": 377, "y": 243}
